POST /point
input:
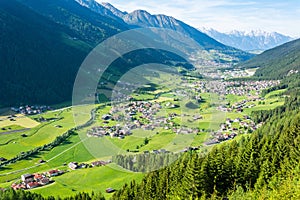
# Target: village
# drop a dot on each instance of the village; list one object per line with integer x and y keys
{"x": 30, "y": 181}
{"x": 30, "y": 110}
{"x": 140, "y": 115}
{"x": 124, "y": 118}
{"x": 232, "y": 128}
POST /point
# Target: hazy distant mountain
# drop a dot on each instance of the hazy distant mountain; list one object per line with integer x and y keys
{"x": 142, "y": 18}
{"x": 248, "y": 41}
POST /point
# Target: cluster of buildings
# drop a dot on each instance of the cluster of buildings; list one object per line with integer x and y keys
{"x": 113, "y": 131}
{"x": 30, "y": 110}
{"x": 228, "y": 73}
{"x": 231, "y": 128}
{"x": 76, "y": 165}
{"x": 240, "y": 106}
{"x": 217, "y": 137}
{"x": 239, "y": 88}
{"x": 30, "y": 181}
{"x": 140, "y": 114}
{"x": 143, "y": 114}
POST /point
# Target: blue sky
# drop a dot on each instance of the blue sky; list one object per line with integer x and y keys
{"x": 225, "y": 15}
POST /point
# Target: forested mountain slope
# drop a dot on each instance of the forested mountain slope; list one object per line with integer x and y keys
{"x": 38, "y": 58}
{"x": 86, "y": 24}
{"x": 277, "y": 63}
{"x": 43, "y": 44}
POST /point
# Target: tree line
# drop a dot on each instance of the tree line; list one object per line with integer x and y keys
{"x": 146, "y": 162}
{"x": 25, "y": 195}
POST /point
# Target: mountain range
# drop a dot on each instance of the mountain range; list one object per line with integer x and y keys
{"x": 142, "y": 18}
{"x": 43, "y": 44}
{"x": 255, "y": 40}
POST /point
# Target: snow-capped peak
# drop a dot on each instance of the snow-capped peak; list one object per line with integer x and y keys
{"x": 248, "y": 40}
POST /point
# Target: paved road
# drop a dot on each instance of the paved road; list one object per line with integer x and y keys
{"x": 14, "y": 131}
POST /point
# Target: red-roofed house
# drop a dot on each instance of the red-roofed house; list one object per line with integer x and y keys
{"x": 54, "y": 172}
{"x": 31, "y": 185}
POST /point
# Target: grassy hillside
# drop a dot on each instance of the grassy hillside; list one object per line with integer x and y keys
{"x": 278, "y": 62}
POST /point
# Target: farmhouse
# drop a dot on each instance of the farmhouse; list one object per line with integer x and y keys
{"x": 27, "y": 177}
{"x": 31, "y": 185}
{"x": 38, "y": 177}
{"x": 106, "y": 117}
{"x": 54, "y": 172}
{"x": 44, "y": 181}
{"x": 18, "y": 186}
{"x": 73, "y": 165}
{"x": 98, "y": 163}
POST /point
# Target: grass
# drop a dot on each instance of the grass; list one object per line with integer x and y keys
{"x": 182, "y": 141}
{"x": 72, "y": 150}
{"x": 275, "y": 93}
{"x": 19, "y": 120}
{"x": 44, "y": 133}
{"x": 88, "y": 180}
{"x": 74, "y": 181}
{"x": 230, "y": 98}
{"x": 141, "y": 133}
{"x": 157, "y": 141}
{"x": 11, "y": 128}
{"x": 269, "y": 103}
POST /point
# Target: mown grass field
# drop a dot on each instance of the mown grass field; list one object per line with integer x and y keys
{"x": 271, "y": 101}
{"x": 94, "y": 179}
{"x": 11, "y": 128}
{"x": 19, "y": 120}
{"x": 88, "y": 180}
{"x": 44, "y": 133}
{"x": 275, "y": 93}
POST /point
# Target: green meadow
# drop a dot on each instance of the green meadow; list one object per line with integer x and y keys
{"x": 88, "y": 180}
{"x": 83, "y": 149}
